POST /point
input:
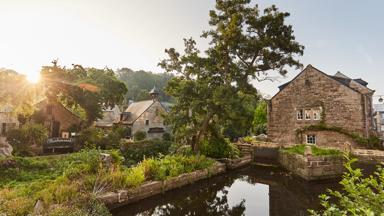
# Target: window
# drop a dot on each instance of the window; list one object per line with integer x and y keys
{"x": 311, "y": 139}
{"x": 307, "y": 114}
{"x": 382, "y": 128}
{"x": 300, "y": 114}
{"x": 146, "y": 122}
{"x": 316, "y": 114}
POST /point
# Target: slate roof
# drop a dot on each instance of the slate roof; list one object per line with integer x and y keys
{"x": 135, "y": 110}
{"x": 339, "y": 77}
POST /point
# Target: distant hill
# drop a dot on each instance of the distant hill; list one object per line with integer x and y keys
{"x": 139, "y": 83}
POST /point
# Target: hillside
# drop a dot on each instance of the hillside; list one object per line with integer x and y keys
{"x": 139, "y": 83}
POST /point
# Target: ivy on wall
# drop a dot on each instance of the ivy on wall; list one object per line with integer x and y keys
{"x": 370, "y": 142}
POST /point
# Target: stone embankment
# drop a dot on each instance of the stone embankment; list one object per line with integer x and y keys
{"x": 123, "y": 197}
{"x": 311, "y": 167}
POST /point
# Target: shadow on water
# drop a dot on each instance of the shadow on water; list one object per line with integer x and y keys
{"x": 253, "y": 190}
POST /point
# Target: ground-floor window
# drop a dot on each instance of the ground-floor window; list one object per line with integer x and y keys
{"x": 311, "y": 139}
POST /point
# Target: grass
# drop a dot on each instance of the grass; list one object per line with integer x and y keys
{"x": 69, "y": 184}
{"x": 316, "y": 151}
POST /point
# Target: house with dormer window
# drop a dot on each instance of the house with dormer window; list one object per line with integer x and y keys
{"x": 146, "y": 116}
{"x": 314, "y": 98}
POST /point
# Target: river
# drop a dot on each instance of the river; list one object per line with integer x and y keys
{"x": 253, "y": 191}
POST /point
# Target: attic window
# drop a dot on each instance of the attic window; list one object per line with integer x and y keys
{"x": 146, "y": 122}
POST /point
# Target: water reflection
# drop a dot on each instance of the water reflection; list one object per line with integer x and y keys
{"x": 249, "y": 191}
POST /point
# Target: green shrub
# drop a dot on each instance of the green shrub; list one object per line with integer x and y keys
{"x": 174, "y": 165}
{"x": 28, "y": 140}
{"x": 360, "y": 195}
{"x": 135, "y": 152}
{"x": 134, "y": 176}
{"x": 140, "y": 135}
{"x": 316, "y": 151}
{"x": 167, "y": 136}
{"x": 219, "y": 148}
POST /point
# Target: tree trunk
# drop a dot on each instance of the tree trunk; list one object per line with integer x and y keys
{"x": 202, "y": 131}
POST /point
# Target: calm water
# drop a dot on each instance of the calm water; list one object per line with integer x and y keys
{"x": 252, "y": 191}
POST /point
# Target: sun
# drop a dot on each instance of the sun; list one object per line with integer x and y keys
{"x": 33, "y": 78}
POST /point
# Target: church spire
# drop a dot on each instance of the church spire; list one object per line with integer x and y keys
{"x": 154, "y": 93}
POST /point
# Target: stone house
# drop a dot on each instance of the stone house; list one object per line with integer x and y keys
{"x": 146, "y": 116}
{"x": 56, "y": 118}
{"x": 111, "y": 116}
{"x": 314, "y": 98}
{"x": 379, "y": 119}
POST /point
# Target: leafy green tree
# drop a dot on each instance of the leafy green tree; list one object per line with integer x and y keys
{"x": 361, "y": 195}
{"x": 260, "y": 118}
{"x": 245, "y": 43}
{"x": 89, "y": 89}
{"x": 28, "y": 140}
{"x": 17, "y": 92}
{"x": 141, "y": 82}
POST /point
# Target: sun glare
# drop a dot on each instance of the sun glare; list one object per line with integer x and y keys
{"x": 33, "y": 78}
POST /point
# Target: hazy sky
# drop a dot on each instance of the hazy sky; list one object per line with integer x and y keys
{"x": 344, "y": 36}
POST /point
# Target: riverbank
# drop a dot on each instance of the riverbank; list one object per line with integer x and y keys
{"x": 70, "y": 184}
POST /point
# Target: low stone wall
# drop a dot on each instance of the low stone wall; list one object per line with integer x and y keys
{"x": 312, "y": 167}
{"x": 369, "y": 156}
{"x": 123, "y": 197}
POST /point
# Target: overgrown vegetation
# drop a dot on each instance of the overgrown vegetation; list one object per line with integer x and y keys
{"x": 316, "y": 151}
{"x": 28, "y": 140}
{"x": 99, "y": 138}
{"x": 219, "y": 148}
{"x": 360, "y": 195}
{"x": 372, "y": 141}
{"x": 68, "y": 184}
{"x": 259, "y": 122}
{"x": 135, "y": 152}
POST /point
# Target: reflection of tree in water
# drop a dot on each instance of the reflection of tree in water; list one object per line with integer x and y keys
{"x": 287, "y": 196}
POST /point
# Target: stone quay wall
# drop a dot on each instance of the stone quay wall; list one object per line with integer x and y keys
{"x": 123, "y": 197}
{"x": 312, "y": 167}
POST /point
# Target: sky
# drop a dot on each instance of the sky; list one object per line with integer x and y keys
{"x": 343, "y": 35}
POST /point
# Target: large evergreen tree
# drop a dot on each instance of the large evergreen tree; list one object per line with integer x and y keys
{"x": 245, "y": 43}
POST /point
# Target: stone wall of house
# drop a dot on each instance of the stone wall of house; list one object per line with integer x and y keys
{"x": 312, "y": 167}
{"x": 312, "y": 89}
{"x": 154, "y": 115}
{"x": 330, "y": 139}
{"x": 58, "y": 113}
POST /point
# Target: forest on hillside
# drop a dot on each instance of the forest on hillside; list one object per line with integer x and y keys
{"x": 139, "y": 83}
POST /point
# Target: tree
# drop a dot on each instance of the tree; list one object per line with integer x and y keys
{"x": 360, "y": 196}
{"x": 28, "y": 139}
{"x": 17, "y": 92}
{"x": 209, "y": 89}
{"x": 88, "y": 89}
{"x": 139, "y": 83}
{"x": 260, "y": 118}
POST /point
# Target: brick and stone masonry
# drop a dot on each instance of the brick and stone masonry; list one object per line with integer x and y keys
{"x": 332, "y": 100}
